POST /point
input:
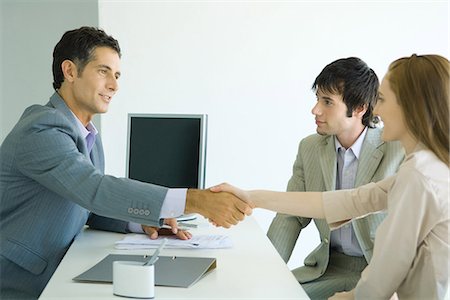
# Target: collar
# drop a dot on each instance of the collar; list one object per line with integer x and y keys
{"x": 357, "y": 145}
{"x": 58, "y": 102}
{"x": 90, "y": 128}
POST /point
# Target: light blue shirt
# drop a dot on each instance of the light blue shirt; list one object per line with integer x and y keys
{"x": 344, "y": 239}
{"x": 175, "y": 200}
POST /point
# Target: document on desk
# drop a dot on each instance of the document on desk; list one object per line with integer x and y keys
{"x": 176, "y": 271}
{"x": 142, "y": 241}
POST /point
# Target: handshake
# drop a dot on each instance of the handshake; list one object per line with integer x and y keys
{"x": 224, "y": 205}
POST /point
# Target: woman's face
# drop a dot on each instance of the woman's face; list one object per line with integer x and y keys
{"x": 391, "y": 113}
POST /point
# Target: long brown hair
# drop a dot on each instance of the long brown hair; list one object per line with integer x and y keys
{"x": 421, "y": 84}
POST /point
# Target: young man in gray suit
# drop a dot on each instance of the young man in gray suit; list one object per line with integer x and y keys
{"x": 346, "y": 152}
{"x": 52, "y": 172}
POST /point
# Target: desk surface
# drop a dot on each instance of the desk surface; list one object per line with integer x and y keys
{"x": 251, "y": 269}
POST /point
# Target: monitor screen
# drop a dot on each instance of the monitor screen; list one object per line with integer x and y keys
{"x": 167, "y": 150}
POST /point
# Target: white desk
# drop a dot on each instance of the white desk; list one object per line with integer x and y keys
{"x": 252, "y": 269}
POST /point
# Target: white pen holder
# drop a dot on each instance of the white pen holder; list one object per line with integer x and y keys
{"x": 133, "y": 279}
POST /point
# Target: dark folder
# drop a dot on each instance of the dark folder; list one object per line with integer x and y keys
{"x": 175, "y": 271}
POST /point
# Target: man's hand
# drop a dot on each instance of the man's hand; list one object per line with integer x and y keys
{"x": 224, "y": 209}
{"x": 154, "y": 232}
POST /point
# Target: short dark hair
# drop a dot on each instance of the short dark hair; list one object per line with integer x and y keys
{"x": 78, "y": 45}
{"x": 353, "y": 79}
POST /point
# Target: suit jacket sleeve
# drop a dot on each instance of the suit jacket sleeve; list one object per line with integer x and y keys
{"x": 49, "y": 154}
{"x": 108, "y": 224}
{"x": 285, "y": 229}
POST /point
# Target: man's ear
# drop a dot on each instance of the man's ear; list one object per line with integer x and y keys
{"x": 360, "y": 111}
{"x": 69, "y": 70}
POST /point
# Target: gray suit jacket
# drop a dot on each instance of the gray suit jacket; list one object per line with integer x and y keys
{"x": 315, "y": 170}
{"x": 48, "y": 186}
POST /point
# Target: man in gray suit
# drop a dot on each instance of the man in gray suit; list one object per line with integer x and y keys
{"x": 52, "y": 172}
{"x": 347, "y": 152}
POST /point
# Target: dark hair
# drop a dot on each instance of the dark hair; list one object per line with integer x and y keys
{"x": 421, "y": 86}
{"x": 355, "y": 81}
{"x": 78, "y": 45}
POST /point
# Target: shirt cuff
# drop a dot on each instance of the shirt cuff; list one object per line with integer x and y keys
{"x": 135, "y": 227}
{"x": 174, "y": 203}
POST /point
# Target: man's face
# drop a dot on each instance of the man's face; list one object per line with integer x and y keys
{"x": 94, "y": 88}
{"x": 330, "y": 114}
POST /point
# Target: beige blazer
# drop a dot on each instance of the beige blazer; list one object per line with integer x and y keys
{"x": 315, "y": 170}
{"x": 411, "y": 254}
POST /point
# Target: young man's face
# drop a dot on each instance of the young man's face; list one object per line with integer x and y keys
{"x": 330, "y": 114}
{"x": 94, "y": 88}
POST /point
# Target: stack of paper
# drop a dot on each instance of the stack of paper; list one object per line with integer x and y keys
{"x": 142, "y": 241}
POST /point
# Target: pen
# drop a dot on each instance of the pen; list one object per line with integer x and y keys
{"x": 155, "y": 257}
{"x": 187, "y": 225}
{"x": 182, "y": 226}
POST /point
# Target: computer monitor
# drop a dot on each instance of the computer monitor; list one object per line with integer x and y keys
{"x": 167, "y": 149}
